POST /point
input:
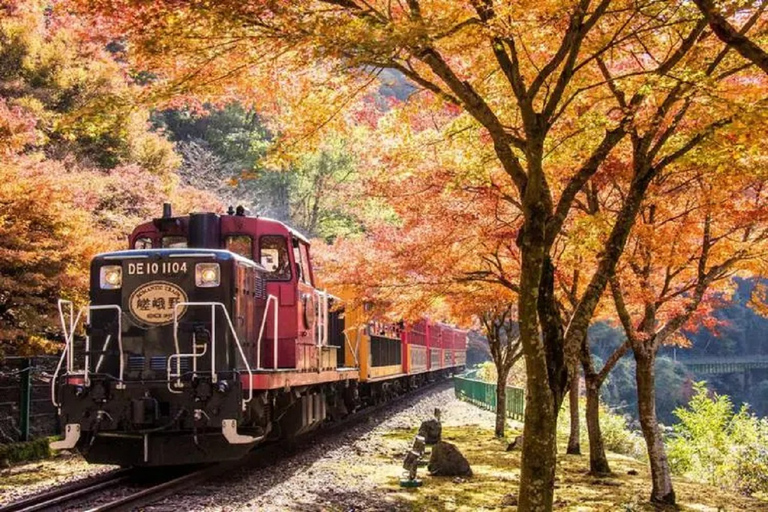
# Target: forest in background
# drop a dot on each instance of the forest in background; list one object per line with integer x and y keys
{"x": 84, "y": 161}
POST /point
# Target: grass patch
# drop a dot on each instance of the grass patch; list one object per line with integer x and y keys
{"x": 401, "y": 434}
{"x": 497, "y": 473}
{"x": 27, "y": 451}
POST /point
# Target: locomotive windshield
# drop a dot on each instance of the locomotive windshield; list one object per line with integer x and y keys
{"x": 143, "y": 242}
{"x": 174, "y": 242}
{"x": 240, "y": 244}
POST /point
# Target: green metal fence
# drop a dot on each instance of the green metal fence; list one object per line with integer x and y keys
{"x": 26, "y": 411}
{"x": 483, "y": 394}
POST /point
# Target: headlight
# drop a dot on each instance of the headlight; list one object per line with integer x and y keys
{"x": 111, "y": 277}
{"x": 207, "y": 275}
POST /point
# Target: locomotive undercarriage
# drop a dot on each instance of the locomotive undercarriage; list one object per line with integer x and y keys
{"x": 143, "y": 423}
{"x": 148, "y": 423}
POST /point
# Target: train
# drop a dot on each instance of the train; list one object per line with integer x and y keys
{"x": 209, "y": 336}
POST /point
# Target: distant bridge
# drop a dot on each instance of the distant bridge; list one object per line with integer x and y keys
{"x": 725, "y": 364}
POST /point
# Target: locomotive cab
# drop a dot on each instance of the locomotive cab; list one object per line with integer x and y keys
{"x": 303, "y": 330}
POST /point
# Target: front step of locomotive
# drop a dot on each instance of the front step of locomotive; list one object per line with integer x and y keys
{"x": 157, "y": 378}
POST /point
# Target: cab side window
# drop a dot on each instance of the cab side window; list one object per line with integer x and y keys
{"x": 299, "y": 264}
{"x": 273, "y": 255}
{"x": 240, "y": 244}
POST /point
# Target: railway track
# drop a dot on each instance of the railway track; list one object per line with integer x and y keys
{"x": 149, "y": 494}
{"x": 59, "y": 497}
{"x": 102, "y": 493}
{"x": 123, "y": 489}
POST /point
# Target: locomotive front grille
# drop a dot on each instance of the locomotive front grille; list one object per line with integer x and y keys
{"x": 136, "y": 363}
{"x": 157, "y": 364}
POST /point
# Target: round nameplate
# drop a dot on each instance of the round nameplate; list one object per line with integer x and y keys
{"x": 152, "y": 304}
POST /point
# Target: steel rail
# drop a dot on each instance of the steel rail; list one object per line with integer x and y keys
{"x": 159, "y": 491}
{"x": 68, "y": 492}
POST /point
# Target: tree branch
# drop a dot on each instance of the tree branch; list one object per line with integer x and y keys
{"x": 731, "y": 36}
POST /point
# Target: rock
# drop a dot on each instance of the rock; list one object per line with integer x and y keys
{"x": 510, "y": 500}
{"x": 517, "y": 444}
{"x": 431, "y": 431}
{"x": 447, "y": 460}
{"x": 632, "y": 472}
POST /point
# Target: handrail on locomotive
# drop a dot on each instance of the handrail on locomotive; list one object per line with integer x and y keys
{"x": 178, "y": 355}
{"x": 68, "y": 352}
{"x": 69, "y": 333}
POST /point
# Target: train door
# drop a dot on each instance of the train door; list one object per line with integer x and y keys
{"x": 274, "y": 256}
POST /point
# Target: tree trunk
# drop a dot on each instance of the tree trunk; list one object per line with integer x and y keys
{"x": 574, "y": 444}
{"x": 598, "y": 462}
{"x": 662, "y": 491}
{"x": 501, "y": 402}
{"x": 537, "y": 474}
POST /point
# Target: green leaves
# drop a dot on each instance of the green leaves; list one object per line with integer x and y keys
{"x": 713, "y": 444}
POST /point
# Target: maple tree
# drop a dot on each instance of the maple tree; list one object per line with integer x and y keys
{"x": 505, "y": 349}
{"x": 543, "y": 93}
{"x": 725, "y": 30}
{"x": 44, "y": 240}
{"x": 699, "y": 227}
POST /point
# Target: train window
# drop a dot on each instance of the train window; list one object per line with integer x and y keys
{"x": 143, "y": 242}
{"x": 174, "y": 242}
{"x": 240, "y": 244}
{"x": 273, "y": 255}
{"x": 301, "y": 258}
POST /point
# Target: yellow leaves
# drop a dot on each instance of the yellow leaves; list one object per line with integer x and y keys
{"x": 149, "y": 149}
{"x": 759, "y": 300}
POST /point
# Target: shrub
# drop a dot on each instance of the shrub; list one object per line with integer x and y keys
{"x": 617, "y": 436}
{"x": 26, "y": 451}
{"x": 713, "y": 444}
{"x": 487, "y": 373}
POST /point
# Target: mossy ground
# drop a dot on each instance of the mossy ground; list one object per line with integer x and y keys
{"x": 497, "y": 473}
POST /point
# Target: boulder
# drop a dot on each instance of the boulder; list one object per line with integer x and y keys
{"x": 447, "y": 460}
{"x": 510, "y": 500}
{"x": 431, "y": 431}
{"x": 517, "y": 444}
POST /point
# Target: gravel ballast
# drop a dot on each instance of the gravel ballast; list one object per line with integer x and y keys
{"x": 337, "y": 472}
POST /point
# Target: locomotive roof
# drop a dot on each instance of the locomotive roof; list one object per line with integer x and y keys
{"x": 289, "y": 228}
{"x": 189, "y": 252}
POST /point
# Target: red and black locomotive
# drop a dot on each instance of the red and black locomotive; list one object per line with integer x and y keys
{"x": 209, "y": 336}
